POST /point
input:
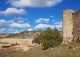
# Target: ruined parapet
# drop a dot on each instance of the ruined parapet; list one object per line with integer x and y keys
{"x": 67, "y": 24}
{"x": 76, "y": 25}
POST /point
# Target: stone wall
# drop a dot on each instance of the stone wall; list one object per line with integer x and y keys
{"x": 71, "y": 25}
{"x": 76, "y": 24}
{"x": 67, "y": 24}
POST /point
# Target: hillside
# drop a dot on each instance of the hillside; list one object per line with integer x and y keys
{"x": 3, "y": 35}
{"x": 25, "y": 34}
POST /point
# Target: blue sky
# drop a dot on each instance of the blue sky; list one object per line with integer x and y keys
{"x": 22, "y": 15}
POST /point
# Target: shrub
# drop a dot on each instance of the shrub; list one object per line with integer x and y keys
{"x": 49, "y": 38}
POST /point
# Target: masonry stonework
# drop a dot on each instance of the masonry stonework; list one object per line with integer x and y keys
{"x": 71, "y": 25}
{"x": 76, "y": 23}
{"x": 67, "y": 24}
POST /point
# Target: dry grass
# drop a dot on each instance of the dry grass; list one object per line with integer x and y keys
{"x": 61, "y": 51}
{"x": 11, "y": 40}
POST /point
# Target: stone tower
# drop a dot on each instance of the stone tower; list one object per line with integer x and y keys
{"x": 67, "y": 25}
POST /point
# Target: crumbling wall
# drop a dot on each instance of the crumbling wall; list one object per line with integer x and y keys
{"x": 76, "y": 24}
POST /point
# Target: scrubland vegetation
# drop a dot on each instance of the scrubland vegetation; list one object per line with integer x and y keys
{"x": 49, "y": 38}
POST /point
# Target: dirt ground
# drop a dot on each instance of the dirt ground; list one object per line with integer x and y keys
{"x": 7, "y": 41}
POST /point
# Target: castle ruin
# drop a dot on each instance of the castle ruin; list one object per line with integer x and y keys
{"x": 71, "y": 25}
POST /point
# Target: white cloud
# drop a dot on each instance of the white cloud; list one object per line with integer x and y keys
{"x": 20, "y": 18}
{"x": 40, "y": 26}
{"x": 42, "y": 20}
{"x": 57, "y": 24}
{"x": 12, "y": 12}
{"x": 18, "y": 25}
{"x": 10, "y": 21}
{"x": 3, "y": 23}
{"x": 20, "y": 21}
{"x": 5, "y": 30}
{"x": 30, "y": 29}
{"x": 16, "y": 31}
{"x": 34, "y": 3}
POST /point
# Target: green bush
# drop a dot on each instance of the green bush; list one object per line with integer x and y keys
{"x": 49, "y": 38}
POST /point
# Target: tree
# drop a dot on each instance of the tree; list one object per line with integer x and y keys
{"x": 38, "y": 38}
{"x": 49, "y": 38}
{"x": 57, "y": 36}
